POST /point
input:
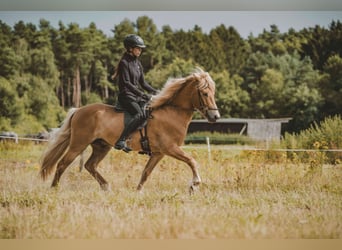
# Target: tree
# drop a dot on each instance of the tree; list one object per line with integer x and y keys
{"x": 10, "y": 106}
{"x": 321, "y": 43}
{"x": 231, "y": 99}
{"x": 269, "y": 41}
{"x": 25, "y": 31}
{"x": 80, "y": 58}
{"x": 155, "y": 42}
{"x": 269, "y": 93}
{"x": 282, "y": 86}
{"x": 231, "y": 50}
{"x": 42, "y": 103}
{"x": 293, "y": 42}
{"x": 8, "y": 59}
{"x": 331, "y": 87}
{"x": 63, "y": 63}
{"x": 170, "y": 45}
{"x": 100, "y": 55}
{"x": 178, "y": 68}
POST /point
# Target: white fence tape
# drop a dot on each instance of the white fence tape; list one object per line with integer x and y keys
{"x": 16, "y": 139}
{"x": 208, "y": 146}
{"x": 221, "y": 147}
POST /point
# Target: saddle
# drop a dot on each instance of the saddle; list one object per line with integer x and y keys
{"x": 145, "y": 146}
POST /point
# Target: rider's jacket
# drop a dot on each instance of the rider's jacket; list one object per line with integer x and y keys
{"x": 131, "y": 78}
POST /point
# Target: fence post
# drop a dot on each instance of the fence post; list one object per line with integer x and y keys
{"x": 209, "y": 150}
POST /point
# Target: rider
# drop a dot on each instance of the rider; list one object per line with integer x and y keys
{"x": 131, "y": 80}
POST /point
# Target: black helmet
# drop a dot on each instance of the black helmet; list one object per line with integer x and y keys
{"x": 132, "y": 41}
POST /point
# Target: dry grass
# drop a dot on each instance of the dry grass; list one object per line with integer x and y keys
{"x": 245, "y": 195}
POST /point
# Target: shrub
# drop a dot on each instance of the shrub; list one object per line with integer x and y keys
{"x": 323, "y": 136}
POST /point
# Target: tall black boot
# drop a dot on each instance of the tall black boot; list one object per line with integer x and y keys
{"x": 121, "y": 144}
{"x": 131, "y": 126}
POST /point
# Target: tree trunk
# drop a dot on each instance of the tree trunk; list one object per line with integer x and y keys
{"x": 69, "y": 92}
{"x": 76, "y": 98}
{"x": 60, "y": 89}
{"x": 106, "y": 92}
{"x": 86, "y": 85}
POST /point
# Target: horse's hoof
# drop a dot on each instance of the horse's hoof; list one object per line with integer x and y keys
{"x": 193, "y": 187}
{"x": 105, "y": 187}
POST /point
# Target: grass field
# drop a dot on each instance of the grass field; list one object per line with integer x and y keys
{"x": 244, "y": 195}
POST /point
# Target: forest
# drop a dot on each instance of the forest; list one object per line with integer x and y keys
{"x": 46, "y": 70}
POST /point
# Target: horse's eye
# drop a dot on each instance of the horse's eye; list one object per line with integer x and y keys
{"x": 205, "y": 94}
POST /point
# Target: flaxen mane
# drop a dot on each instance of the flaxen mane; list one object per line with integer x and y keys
{"x": 172, "y": 86}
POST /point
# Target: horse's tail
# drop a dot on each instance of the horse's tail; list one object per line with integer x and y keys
{"x": 57, "y": 146}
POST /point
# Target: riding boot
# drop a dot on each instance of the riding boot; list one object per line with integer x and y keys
{"x": 121, "y": 144}
{"x": 131, "y": 126}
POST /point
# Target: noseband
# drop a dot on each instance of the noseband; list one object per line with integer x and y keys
{"x": 202, "y": 107}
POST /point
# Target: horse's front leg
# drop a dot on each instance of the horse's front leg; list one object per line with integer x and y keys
{"x": 179, "y": 154}
{"x": 196, "y": 180}
{"x": 154, "y": 159}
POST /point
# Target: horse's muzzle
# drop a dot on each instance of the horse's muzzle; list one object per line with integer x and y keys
{"x": 213, "y": 115}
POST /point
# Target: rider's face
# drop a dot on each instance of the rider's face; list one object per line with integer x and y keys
{"x": 136, "y": 51}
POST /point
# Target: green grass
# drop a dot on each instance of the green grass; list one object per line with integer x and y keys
{"x": 244, "y": 195}
{"x": 218, "y": 138}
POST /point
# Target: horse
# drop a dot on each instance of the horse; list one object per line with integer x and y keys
{"x": 100, "y": 125}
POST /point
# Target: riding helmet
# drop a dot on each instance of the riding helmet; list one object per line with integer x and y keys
{"x": 132, "y": 41}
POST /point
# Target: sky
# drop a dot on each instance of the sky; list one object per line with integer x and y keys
{"x": 245, "y": 22}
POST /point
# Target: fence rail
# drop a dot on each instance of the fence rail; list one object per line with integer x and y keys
{"x": 231, "y": 147}
{"x": 17, "y": 139}
{"x": 207, "y": 146}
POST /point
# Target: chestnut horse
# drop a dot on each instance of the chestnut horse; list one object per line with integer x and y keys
{"x": 99, "y": 125}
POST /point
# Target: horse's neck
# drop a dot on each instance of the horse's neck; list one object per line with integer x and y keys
{"x": 183, "y": 99}
{"x": 179, "y": 119}
{"x": 181, "y": 107}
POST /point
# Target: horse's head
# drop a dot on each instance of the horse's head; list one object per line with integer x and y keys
{"x": 204, "y": 96}
{"x": 201, "y": 89}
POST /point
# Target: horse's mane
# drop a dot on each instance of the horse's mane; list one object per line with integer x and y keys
{"x": 172, "y": 86}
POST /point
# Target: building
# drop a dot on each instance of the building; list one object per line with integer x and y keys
{"x": 257, "y": 129}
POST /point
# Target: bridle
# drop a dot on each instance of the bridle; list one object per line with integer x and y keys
{"x": 202, "y": 107}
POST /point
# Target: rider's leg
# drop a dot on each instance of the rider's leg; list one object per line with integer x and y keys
{"x": 134, "y": 109}
{"x": 131, "y": 126}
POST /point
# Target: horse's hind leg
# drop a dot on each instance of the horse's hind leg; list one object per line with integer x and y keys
{"x": 67, "y": 159}
{"x": 154, "y": 159}
{"x": 100, "y": 150}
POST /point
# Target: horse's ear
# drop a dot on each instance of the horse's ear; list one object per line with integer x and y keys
{"x": 191, "y": 77}
{"x": 200, "y": 75}
{"x": 199, "y": 69}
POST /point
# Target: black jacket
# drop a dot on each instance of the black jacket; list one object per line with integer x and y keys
{"x": 131, "y": 78}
